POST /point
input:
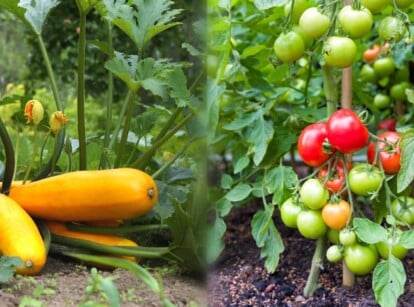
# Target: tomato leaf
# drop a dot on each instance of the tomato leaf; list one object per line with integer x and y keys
{"x": 279, "y": 181}
{"x": 214, "y": 239}
{"x": 388, "y": 281}
{"x": 267, "y": 4}
{"x": 406, "y": 173}
{"x": 260, "y": 136}
{"x": 267, "y": 238}
{"x": 8, "y": 267}
{"x": 239, "y": 192}
{"x": 407, "y": 239}
{"x": 368, "y": 231}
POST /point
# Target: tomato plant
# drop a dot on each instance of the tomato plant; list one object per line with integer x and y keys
{"x": 365, "y": 179}
{"x": 398, "y": 91}
{"x": 299, "y": 6}
{"x": 375, "y": 6}
{"x": 372, "y": 53}
{"x": 384, "y": 67}
{"x": 388, "y": 124}
{"x": 382, "y": 101}
{"x": 360, "y": 259}
{"x": 311, "y": 145}
{"x": 346, "y": 132}
{"x": 311, "y": 225}
{"x": 392, "y": 244}
{"x": 389, "y": 151}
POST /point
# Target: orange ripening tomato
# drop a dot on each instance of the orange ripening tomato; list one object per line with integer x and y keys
{"x": 336, "y": 215}
{"x": 372, "y": 53}
{"x": 93, "y": 195}
{"x": 60, "y": 229}
{"x": 20, "y": 237}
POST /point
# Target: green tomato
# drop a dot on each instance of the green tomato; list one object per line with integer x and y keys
{"x": 361, "y": 259}
{"x": 402, "y": 74}
{"x": 367, "y": 74}
{"x": 391, "y": 29}
{"x": 384, "y": 67}
{"x": 365, "y": 178}
{"x": 311, "y": 225}
{"x": 334, "y": 254}
{"x": 402, "y": 208}
{"x": 313, "y": 194}
{"x": 397, "y": 250}
{"x": 289, "y": 47}
{"x": 382, "y": 101}
{"x": 397, "y": 91}
{"x": 375, "y": 6}
{"x": 314, "y": 23}
{"x": 355, "y": 22}
{"x": 289, "y": 212}
{"x": 347, "y": 237}
{"x": 403, "y": 4}
{"x": 299, "y": 6}
{"x": 339, "y": 51}
{"x": 333, "y": 236}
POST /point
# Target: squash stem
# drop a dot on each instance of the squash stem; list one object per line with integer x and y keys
{"x": 117, "y": 230}
{"x": 34, "y": 153}
{"x": 140, "y": 251}
{"x": 81, "y": 90}
{"x": 125, "y": 130}
{"x": 10, "y": 158}
{"x": 143, "y": 160}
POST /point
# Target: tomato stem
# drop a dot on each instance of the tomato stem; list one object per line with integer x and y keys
{"x": 312, "y": 282}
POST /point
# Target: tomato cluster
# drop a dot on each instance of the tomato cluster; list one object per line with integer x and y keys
{"x": 323, "y": 205}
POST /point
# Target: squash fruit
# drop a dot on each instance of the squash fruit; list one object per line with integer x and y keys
{"x": 20, "y": 237}
{"x": 88, "y": 195}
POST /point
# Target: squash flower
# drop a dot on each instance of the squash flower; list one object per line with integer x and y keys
{"x": 57, "y": 120}
{"x": 34, "y": 112}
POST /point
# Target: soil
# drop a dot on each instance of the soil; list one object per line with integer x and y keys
{"x": 240, "y": 279}
{"x": 63, "y": 283}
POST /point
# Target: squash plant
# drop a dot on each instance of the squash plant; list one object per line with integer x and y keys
{"x": 275, "y": 68}
{"x": 151, "y": 123}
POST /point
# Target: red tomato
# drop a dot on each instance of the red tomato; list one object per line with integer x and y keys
{"x": 346, "y": 132}
{"x": 333, "y": 177}
{"x": 311, "y": 145}
{"x": 389, "y": 151}
{"x": 388, "y": 124}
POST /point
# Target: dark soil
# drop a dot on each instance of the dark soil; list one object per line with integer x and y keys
{"x": 240, "y": 279}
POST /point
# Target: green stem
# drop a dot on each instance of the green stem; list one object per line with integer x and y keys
{"x": 109, "y": 102}
{"x": 168, "y": 124}
{"x": 10, "y": 158}
{"x": 312, "y": 283}
{"x": 171, "y": 161}
{"x": 50, "y": 72}
{"x": 142, "y": 161}
{"x": 120, "y": 120}
{"x": 125, "y": 130}
{"x": 117, "y": 230}
{"x": 34, "y": 153}
{"x": 330, "y": 87}
{"x": 140, "y": 251}
{"x": 81, "y": 90}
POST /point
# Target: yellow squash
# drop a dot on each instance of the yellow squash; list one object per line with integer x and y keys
{"x": 60, "y": 229}
{"x": 20, "y": 237}
{"x": 90, "y": 195}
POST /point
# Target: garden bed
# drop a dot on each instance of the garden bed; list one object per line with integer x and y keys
{"x": 240, "y": 279}
{"x": 63, "y": 283}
